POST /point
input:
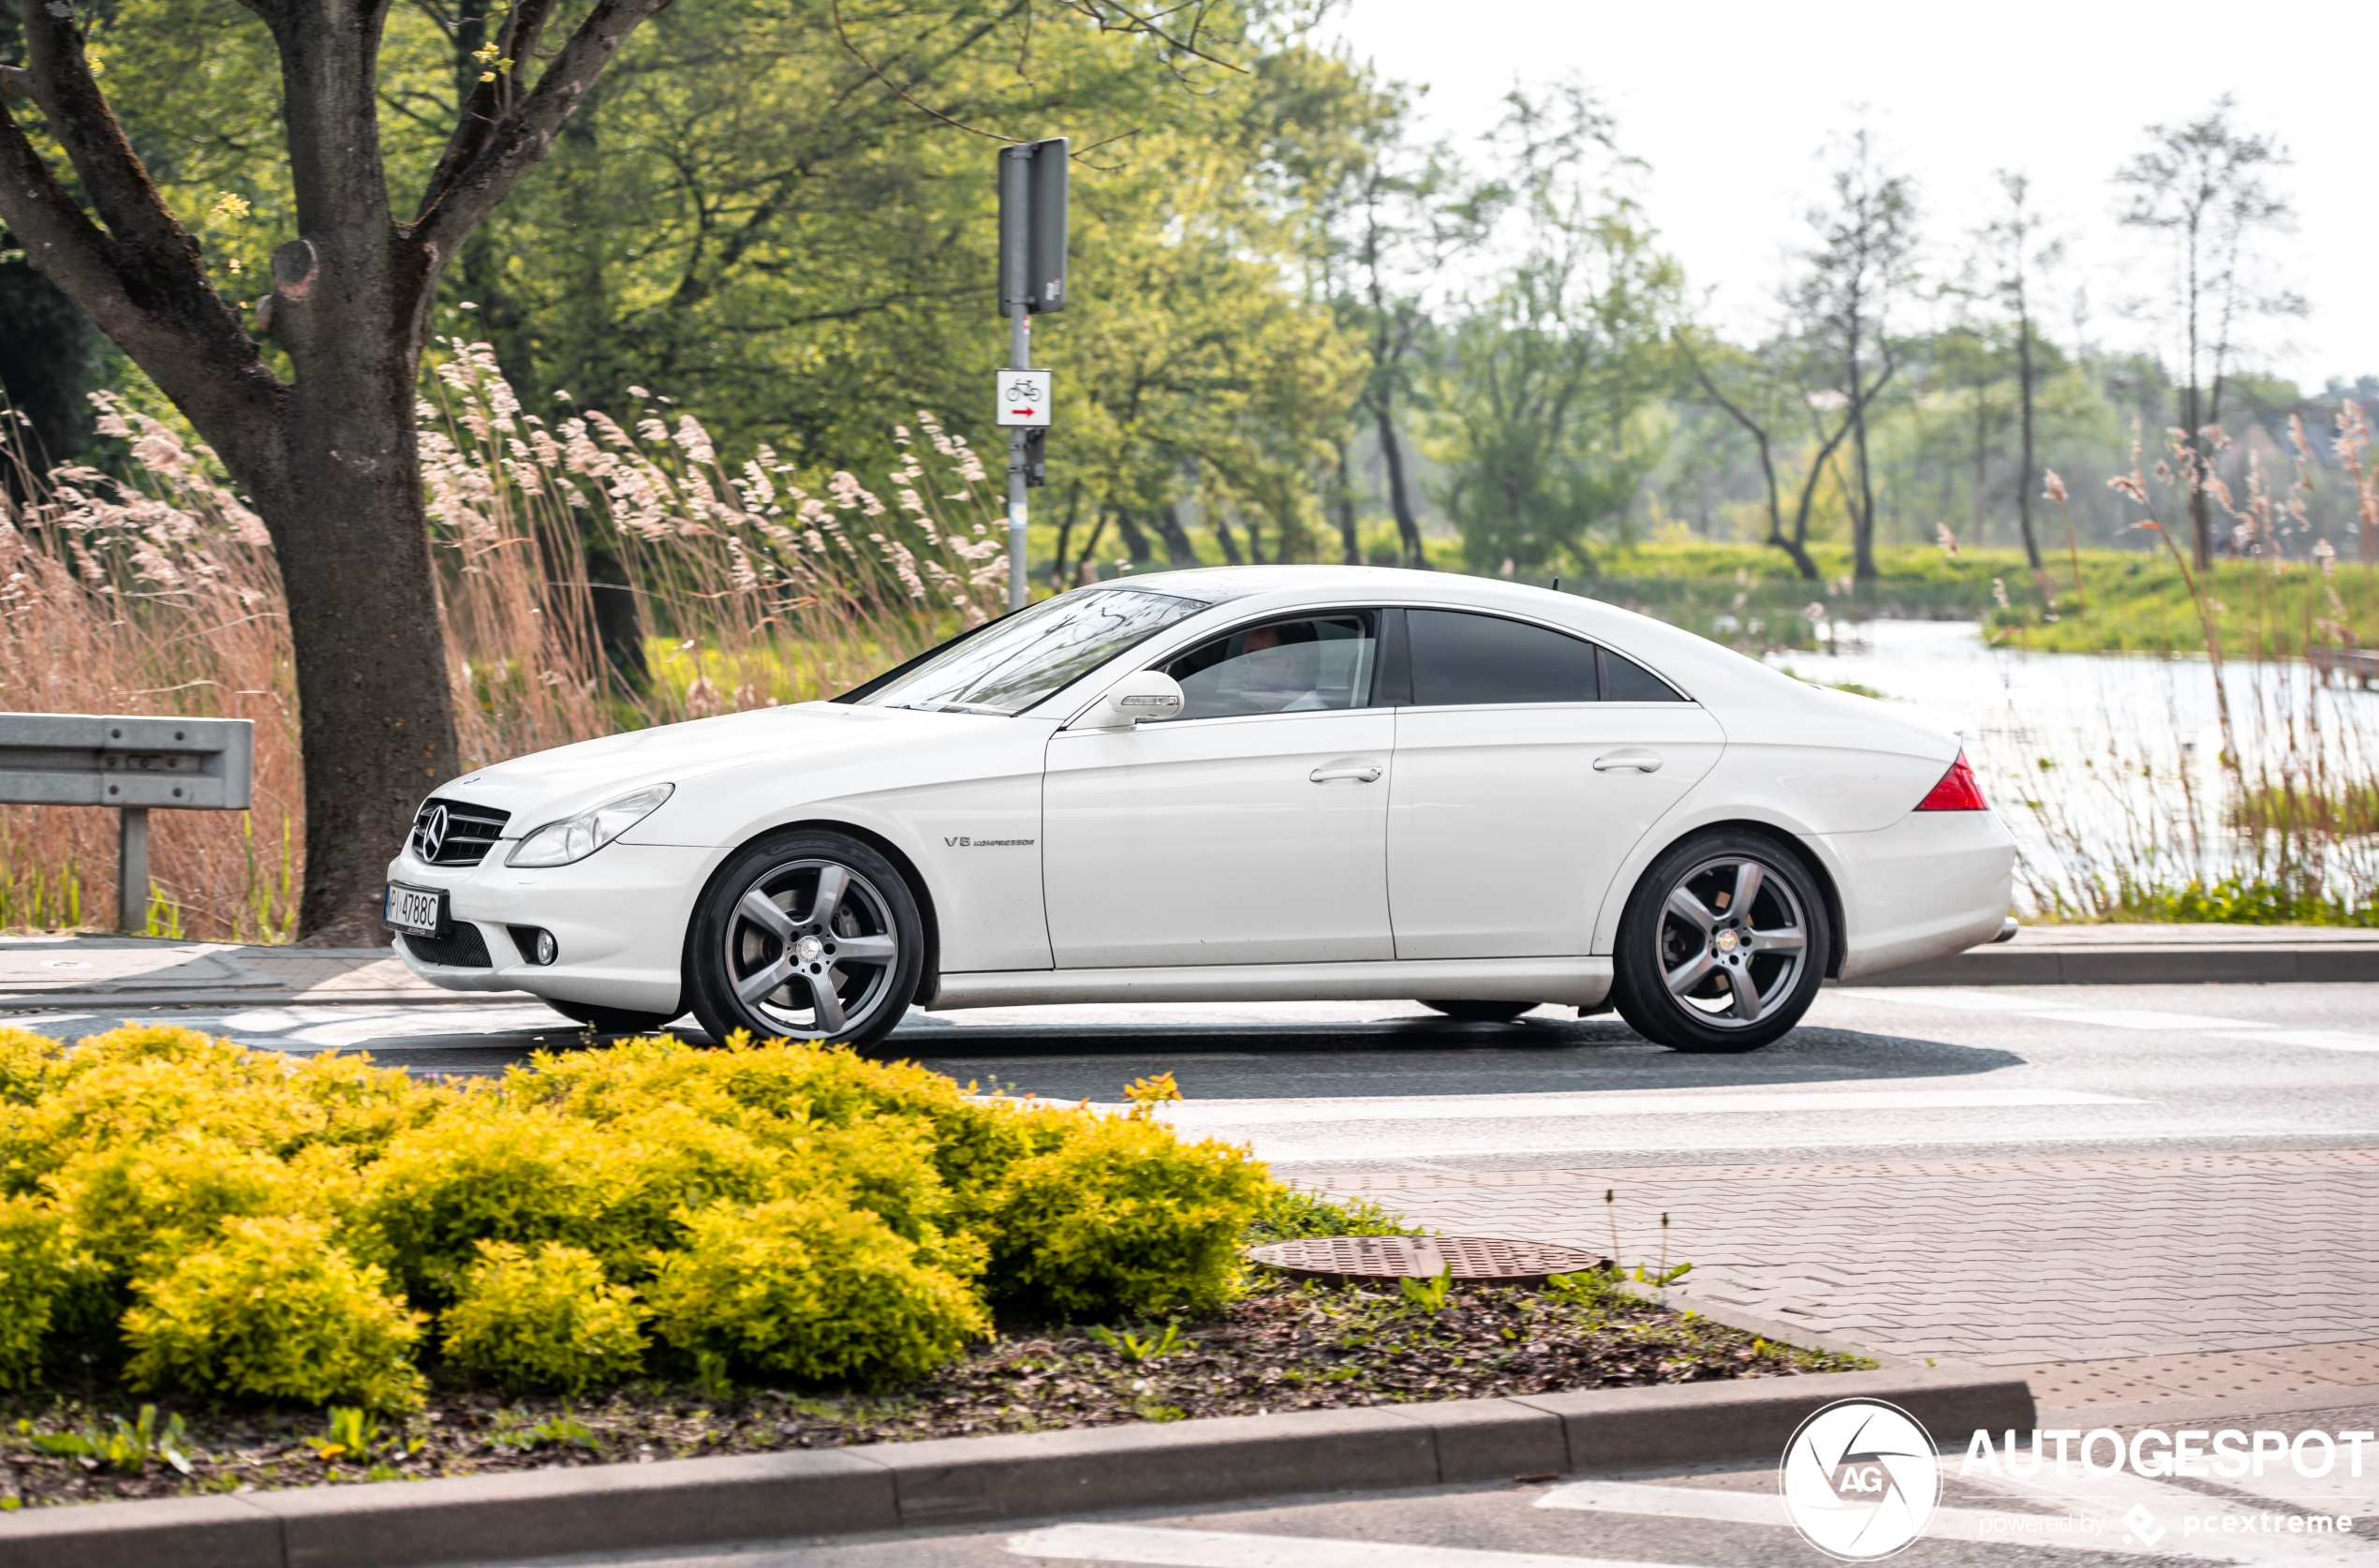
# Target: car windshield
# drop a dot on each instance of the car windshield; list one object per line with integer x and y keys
{"x": 1010, "y": 666}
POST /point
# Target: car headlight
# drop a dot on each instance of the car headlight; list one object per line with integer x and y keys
{"x": 574, "y": 838}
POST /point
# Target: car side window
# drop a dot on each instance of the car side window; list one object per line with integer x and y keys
{"x": 1626, "y": 680}
{"x": 1461, "y": 658}
{"x": 1307, "y": 664}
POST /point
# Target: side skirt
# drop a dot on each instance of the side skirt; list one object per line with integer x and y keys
{"x": 1580, "y": 982}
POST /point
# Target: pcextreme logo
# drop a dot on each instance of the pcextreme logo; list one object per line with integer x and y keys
{"x": 1860, "y": 1480}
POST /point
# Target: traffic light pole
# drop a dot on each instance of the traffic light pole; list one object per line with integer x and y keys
{"x": 1019, "y": 358}
{"x": 1033, "y": 278}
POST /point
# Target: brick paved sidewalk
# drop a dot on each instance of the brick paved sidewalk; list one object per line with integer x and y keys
{"x": 2105, "y": 1279}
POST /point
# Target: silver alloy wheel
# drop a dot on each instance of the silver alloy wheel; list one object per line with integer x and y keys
{"x": 823, "y": 972}
{"x": 1733, "y": 942}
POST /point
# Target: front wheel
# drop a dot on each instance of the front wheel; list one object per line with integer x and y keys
{"x": 805, "y": 936}
{"x": 1722, "y": 945}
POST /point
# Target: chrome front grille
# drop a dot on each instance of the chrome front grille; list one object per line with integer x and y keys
{"x": 453, "y": 833}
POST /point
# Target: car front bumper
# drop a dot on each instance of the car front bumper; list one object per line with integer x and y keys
{"x": 618, "y": 920}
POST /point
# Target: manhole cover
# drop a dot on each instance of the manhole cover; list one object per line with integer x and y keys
{"x": 1421, "y": 1257}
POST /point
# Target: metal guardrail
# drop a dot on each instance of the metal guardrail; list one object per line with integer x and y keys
{"x": 134, "y": 763}
{"x": 2359, "y": 665}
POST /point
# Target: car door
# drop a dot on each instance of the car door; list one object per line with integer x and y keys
{"x": 1252, "y": 829}
{"x": 1528, "y": 762}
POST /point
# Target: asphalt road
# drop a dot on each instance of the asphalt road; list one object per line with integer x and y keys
{"x": 1323, "y": 1086}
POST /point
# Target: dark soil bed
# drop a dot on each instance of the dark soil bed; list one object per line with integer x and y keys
{"x": 1282, "y": 1347}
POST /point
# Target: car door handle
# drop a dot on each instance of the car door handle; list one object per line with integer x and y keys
{"x": 1642, "y": 762}
{"x": 1362, "y": 773}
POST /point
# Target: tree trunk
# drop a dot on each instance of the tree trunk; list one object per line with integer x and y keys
{"x": 2024, "y": 390}
{"x": 1342, "y": 502}
{"x": 347, "y": 522}
{"x": 1135, "y": 544}
{"x": 1408, "y": 526}
{"x": 1222, "y": 536}
{"x": 1863, "y": 524}
{"x": 1179, "y": 549}
{"x": 1982, "y": 458}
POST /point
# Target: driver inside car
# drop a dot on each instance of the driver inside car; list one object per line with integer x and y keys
{"x": 1270, "y": 669}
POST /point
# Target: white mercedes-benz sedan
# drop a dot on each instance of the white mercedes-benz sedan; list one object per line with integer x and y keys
{"x": 1246, "y": 784}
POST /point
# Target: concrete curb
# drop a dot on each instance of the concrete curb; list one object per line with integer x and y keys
{"x": 2257, "y": 964}
{"x": 957, "y": 1482}
{"x": 107, "y": 1001}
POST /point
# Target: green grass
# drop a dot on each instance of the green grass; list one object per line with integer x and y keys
{"x": 2232, "y": 901}
{"x": 2140, "y": 604}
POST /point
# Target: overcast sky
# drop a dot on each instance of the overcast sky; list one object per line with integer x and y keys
{"x": 1733, "y": 104}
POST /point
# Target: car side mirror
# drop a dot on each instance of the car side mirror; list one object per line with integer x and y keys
{"x": 1142, "y": 694}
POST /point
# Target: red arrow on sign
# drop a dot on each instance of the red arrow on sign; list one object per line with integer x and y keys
{"x": 1025, "y": 412}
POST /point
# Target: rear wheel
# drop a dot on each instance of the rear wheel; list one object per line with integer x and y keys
{"x": 805, "y": 936}
{"x": 1723, "y": 944}
{"x": 1480, "y": 1012}
{"x": 610, "y": 1020}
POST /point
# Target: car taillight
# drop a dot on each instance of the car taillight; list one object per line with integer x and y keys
{"x": 1957, "y": 791}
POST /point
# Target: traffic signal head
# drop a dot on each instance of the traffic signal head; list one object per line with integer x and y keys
{"x": 1032, "y": 227}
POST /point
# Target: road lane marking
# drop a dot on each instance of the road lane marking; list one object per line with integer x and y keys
{"x": 1623, "y": 1102}
{"x": 1218, "y": 1548}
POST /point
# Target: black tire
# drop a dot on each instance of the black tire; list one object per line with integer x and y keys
{"x": 731, "y": 946}
{"x": 1479, "y": 1011}
{"x": 1742, "y": 977}
{"x": 611, "y": 1020}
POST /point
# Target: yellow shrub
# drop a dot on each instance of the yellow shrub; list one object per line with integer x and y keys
{"x": 38, "y": 1270}
{"x": 137, "y": 1207}
{"x": 274, "y": 1311}
{"x": 30, "y": 1064}
{"x": 1124, "y": 1219}
{"x": 807, "y": 1287}
{"x": 491, "y": 1172}
{"x": 545, "y": 1320}
{"x": 794, "y": 1211}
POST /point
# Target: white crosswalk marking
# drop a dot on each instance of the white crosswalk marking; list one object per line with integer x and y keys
{"x": 2318, "y": 1040}
{"x": 1218, "y": 1548}
{"x": 2097, "y": 1507}
{"x": 1196, "y": 1115}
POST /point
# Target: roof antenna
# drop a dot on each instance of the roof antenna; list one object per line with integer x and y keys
{"x": 1557, "y": 584}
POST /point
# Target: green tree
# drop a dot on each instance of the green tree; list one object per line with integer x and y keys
{"x": 2204, "y": 186}
{"x": 1851, "y": 279}
{"x": 1538, "y": 382}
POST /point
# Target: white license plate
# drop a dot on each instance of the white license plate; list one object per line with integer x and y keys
{"x": 420, "y": 911}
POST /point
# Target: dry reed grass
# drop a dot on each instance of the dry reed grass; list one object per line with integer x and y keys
{"x": 155, "y": 591}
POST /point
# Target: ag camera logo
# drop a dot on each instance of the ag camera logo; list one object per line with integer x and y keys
{"x": 1860, "y": 1480}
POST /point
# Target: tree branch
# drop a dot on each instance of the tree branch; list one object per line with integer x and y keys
{"x": 842, "y": 33}
{"x": 496, "y": 93}
{"x": 58, "y": 77}
{"x": 521, "y": 140}
{"x": 192, "y": 347}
